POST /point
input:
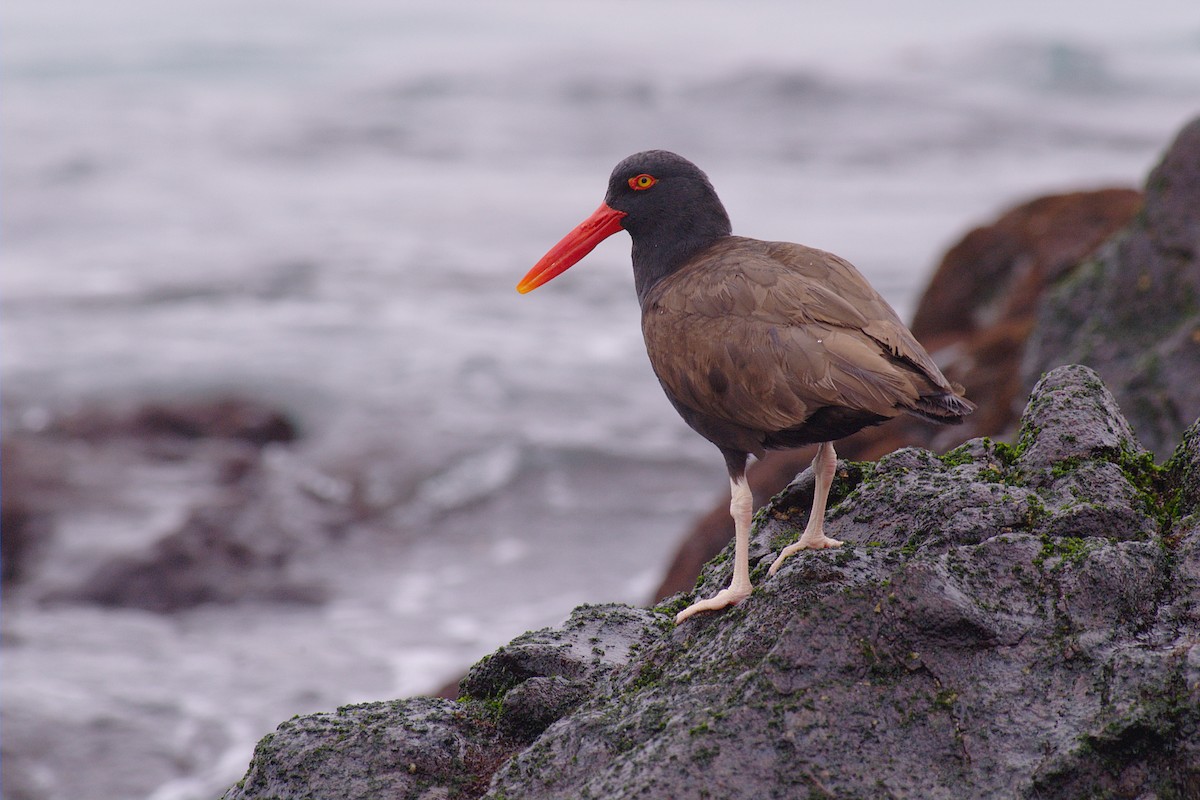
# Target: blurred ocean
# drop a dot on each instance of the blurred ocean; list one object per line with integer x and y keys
{"x": 327, "y": 205}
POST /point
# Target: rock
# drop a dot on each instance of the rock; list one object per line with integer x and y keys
{"x": 426, "y": 748}
{"x": 1185, "y": 466}
{"x": 996, "y": 273}
{"x": 239, "y": 511}
{"x": 225, "y": 417}
{"x": 435, "y": 748}
{"x": 1004, "y": 621}
{"x": 218, "y": 556}
{"x": 248, "y": 541}
{"x": 1132, "y": 311}
{"x": 1078, "y": 472}
{"x": 15, "y": 544}
{"x": 975, "y": 317}
{"x": 541, "y": 676}
{"x": 23, "y": 524}
{"x": 1073, "y": 401}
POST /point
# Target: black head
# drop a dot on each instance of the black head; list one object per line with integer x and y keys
{"x": 671, "y": 211}
{"x": 665, "y": 202}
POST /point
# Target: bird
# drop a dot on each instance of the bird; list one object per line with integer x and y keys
{"x": 759, "y": 345}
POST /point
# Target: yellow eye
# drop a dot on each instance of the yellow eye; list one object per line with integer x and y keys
{"x": 642, "y": 182}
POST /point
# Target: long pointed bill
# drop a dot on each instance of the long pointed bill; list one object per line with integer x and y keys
{"x": 603, "y": 223}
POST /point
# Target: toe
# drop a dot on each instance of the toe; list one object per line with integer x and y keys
{"x": 722, "y": 599}
{"x": 818, "y": 542}
{"x": 812, "y": 543}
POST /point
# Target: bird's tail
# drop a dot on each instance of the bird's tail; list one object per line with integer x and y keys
{"x": 948, "y": 408}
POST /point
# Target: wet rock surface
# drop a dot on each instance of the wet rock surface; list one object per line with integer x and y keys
{"x": 199, "y": 502}
{"x": 1004, "y": 620}
{"x": 437, "y": 748}
{"x": 540, "y": 676}
{"x": 423, "y": 747}
{"x": 1132, "y": 311}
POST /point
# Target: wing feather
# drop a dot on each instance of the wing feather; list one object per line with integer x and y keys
{"x": 762, "y": 334}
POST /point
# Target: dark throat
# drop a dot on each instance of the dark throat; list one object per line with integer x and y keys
{"x": 668, "y": 244}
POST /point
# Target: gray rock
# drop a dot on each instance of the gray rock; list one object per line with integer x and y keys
{"x": 538, "y": 677}
{"x": 421, "y": 748}
{"x": 249, "y": 513}
{"x": 212, "y": 558}
{"x": 1082, "y": 418}
{"x": 1185, "y": 467}
{"x": 240, "y": 547}
{"x": 1078, "y": 471}
{"x": 433, "y": 748}
{"x": 1004, "y": 621}
{"x": 1132, "y": 311}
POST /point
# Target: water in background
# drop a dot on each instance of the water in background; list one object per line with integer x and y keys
{"x": 328, "y": 205}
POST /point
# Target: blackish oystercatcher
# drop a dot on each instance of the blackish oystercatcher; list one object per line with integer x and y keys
{"x": 758, "y": 345}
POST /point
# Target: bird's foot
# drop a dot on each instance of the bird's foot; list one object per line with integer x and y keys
{"x": 726, "y": 597}
{"x": 816, "y": 541}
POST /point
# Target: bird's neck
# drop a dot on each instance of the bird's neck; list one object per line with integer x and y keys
{"x": 659, "y": 252}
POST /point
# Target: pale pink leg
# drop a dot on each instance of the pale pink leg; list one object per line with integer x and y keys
{"x": 814, "y": 538}
{"x": 741, "y": 508}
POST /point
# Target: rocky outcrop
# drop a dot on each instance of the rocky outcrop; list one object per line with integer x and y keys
{"x": 994, "y": 276}
{"x": 22, "y": 522}
{"x": 422, "y": 747}
{"x": 242, "y": 516}
{"x": 1132, "y": 312}
{"x": 1004, "y": 620}
{"x": 223, "y": 417}
{"x": 232, "y": 552}
{"x": 437, "y": 748}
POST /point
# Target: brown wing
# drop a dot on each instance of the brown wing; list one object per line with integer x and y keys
{"x": 762, "y": 334}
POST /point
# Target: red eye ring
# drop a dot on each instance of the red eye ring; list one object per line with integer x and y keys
{"x": 642, "y": 182}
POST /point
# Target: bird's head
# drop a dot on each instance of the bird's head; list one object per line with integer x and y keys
{"x": 665, "y": 202}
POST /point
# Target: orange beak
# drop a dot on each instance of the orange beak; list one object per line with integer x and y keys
{"x": 603, "y": 223}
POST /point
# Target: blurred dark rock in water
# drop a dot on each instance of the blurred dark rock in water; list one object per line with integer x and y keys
{"x": 225, "y": 418}
{"x": 243, "y": 514}
{"x": 221, "y": 554}
{"x": 24, "y": 524}
{"x": 1004, "y": 620}
{"x": 982, "y": 302}
{"x": 15, "y": 541}
{"x": 996, "y": 273}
